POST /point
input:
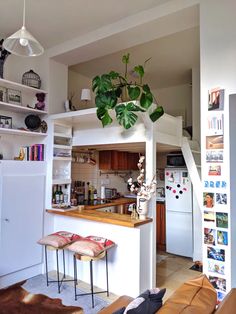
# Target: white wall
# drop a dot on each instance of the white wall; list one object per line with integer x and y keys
{"x": 176, "y": 101}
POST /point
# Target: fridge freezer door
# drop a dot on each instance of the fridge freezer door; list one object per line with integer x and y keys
{"x": 179, "y": 235}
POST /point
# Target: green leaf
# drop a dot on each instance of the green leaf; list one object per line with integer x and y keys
{"x": 125, "y": 116}
{"x": 134, "y": 92}
{"x": 132, "y": 107}
{"x": 125, "y": 58}
{"x": 140, "y": 70}
{"x": 107, "y": 100}
{"x": 104, "y": 116}
{"x": 157, "y": 113}
{"x": 146, "y": 100}
{"x": 146, "y": 88}
{"x": 95, "y": 82}
{"x": 113, "y": 75}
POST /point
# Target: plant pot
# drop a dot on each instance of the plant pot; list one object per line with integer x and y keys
{"x": 142, "y": 207}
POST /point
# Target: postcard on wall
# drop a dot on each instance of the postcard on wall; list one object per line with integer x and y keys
{"x": 220, "y": 296}
{"x": 221, "y": 198}
{"x": 208, "y": 199}
{"x": 216, "y": 254}
{"x": 215, "y": 142}
{"x": 216, "y": 267}
{"x": 216, "y": 99}
{"x": 209, "y": 236}
{"x": 209, "y": 216}
{"x": 222, "y": 220}
{"x": 215, "y": 124}
{"x": 218, "y": 283}
{"x": 222, "y": 237}
{"x": 214, "y": 156}
{"x": 215, "y": 184}
{"x": 214, "y": 170}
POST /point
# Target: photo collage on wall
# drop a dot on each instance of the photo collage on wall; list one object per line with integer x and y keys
{"x": 214, "y": 198}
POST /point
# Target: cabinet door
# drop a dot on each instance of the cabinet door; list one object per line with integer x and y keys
{"x": 132, "y": 160}
{"x": 105, "y": 160}
{"x": 160, "y": 227}
{"x": 119, "y": 160}
{"x": 22, "y": 205}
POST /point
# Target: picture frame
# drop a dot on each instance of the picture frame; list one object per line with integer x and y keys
{"x": 14, "y": 96}
{"x": 3, "y": 94}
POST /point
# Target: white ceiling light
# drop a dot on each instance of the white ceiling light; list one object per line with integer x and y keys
{"x": 22, "y": 43}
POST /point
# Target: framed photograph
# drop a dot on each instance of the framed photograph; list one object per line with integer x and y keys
{"x": 209, "y": 236}
{"x": 215, "y": 142}
{"x": 216, "y": 267}
{"x": 3, "y": 94}
{"x": 14, "y": 96}
{"x": 214, "y": 156}
{"x": 222, "y": 220}
{"x": 222, "y": 237}
{"x": 216, "y": 254}
{"x": 216, "y": 99}
{"x": 218, "y": 283}
{"x": 215, "y": 124}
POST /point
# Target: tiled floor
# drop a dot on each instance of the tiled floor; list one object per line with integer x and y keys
{"x": 172, "y": 271}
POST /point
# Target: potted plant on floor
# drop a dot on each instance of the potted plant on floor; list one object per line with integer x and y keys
{"x": 135, "y": 96}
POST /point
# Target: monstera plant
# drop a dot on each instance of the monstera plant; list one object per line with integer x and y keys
{"x": 114, "y": 91}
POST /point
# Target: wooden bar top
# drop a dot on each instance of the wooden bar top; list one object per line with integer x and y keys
{"x": 115, "y": 202}
{"x": 104, "y": 217}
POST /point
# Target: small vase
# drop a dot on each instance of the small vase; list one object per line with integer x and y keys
{"x": 142, "y": 207}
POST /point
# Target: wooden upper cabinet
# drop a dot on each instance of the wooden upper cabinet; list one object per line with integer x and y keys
{"x": 117, "y": 160}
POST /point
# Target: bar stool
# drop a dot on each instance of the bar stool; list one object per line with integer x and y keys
{"x": 90, "y": 249}
{"x": 58, "y": 242}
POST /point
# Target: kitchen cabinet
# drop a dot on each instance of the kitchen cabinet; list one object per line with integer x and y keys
{"x": 160, "y": 227}
{"x": 118, "y": 160}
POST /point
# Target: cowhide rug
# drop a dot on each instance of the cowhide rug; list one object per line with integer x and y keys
{"x": 16, "y": 300}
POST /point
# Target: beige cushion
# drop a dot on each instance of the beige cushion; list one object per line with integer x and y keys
{"x": 59, "y": 239}
{"x": 193, "y": 297}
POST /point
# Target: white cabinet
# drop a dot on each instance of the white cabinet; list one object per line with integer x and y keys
{"x": 22, "y": 191}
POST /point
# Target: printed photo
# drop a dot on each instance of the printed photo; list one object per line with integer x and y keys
{"x": 214, "y": 156}
{"x": 209, "y": 216}
{"x": 215, "y": 124}
{"x": 208, "y": 200}
{"x": 222, "y": 237}
{"x": 218, "y": 283}
{"x": 216, "y": 267}
{"x": 215, "y": 142}
{"x": 214, "y": 170}
{"x": 221, "y": 198}
{"x": 216, "y": 99}
{"x": 222, "y": 220}
{"x": 209, "y": 236}
{"x": 216, "y": 254}
{"x": 3, "y": 94}
{"x": 220, "y": 296}
{"x": 14, "y": 96}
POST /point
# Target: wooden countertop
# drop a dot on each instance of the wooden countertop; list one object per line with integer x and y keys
{"x": 105, "y": 217}
{"x": 116, "y": 202}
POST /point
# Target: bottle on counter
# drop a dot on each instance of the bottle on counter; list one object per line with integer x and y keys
{"x": 57, "y": 195}
{"x": 61, "y": 195}
{"x": 103, "y": 196}
{"x": 66, "y": 196}
{"x": 86, "y": 191}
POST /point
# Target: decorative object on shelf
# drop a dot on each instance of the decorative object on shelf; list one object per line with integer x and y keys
{"x": 1, "y": 156}
{"x": 14, "y": 96}
{"x": 67, "y": 105}
{"x": 40, "y": 104}
{"x": 3, "y": 55}
{"x": 22, "y": 43}
{"x": 5, "y": 122}
{"x": 31, "y": 79}
{"x": 85, "y": 95}
{"x": 108, "y": 89}
{"x": 32, "y": 122}
{"x": 44, "y": 126}
{"x": 134, "y": 213}
{"x": 21, "y": 155}
{"x": 3, "y": 94}
{"x": 144, "y": 190}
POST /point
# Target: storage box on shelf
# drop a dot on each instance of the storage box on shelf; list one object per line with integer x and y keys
{"x": 61, "y": 163}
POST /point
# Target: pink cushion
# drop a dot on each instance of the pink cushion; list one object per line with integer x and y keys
{"x": 59, "y": 239}
{"x": 90, "y": 247}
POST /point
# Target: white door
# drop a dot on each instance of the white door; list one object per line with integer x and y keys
{"x": 22, "y": 205}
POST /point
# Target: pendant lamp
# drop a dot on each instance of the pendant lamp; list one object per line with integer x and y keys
{"x": 22, "y": 43}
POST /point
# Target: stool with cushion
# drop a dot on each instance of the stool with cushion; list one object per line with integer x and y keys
{"x": 57, "y": 241}
{"x": 90, "y": 249}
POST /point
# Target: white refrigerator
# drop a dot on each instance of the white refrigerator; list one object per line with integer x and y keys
{"x": 179, "y": 217}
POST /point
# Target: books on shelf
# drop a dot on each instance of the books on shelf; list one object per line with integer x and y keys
{"x": 34, "y": 152}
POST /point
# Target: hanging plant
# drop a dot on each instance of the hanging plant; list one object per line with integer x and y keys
{"x": 135, "y": 96}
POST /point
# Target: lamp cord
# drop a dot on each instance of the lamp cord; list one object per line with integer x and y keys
{"x": 24, "y": 15}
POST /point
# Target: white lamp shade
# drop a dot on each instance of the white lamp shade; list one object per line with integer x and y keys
{"x": 85, "y": 94}
{"x": 22, "y": 43}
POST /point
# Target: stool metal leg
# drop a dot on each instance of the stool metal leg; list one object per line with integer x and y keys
{"x": 58, "y": 275}
{"x": 46, "y": 261}
{"x": 91, "y": 281}
{"x": 64, "y": 266}
{"x": 75, "y": 276}
{"x": 107, "y": 275}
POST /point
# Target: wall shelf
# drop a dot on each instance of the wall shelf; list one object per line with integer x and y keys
{"x": 62, "y": 158}
{"x": 21, "y": 132}
{"x": 62, "y": 146}
{"x": 62, "y": 135}
{"x": 19, "y": 109}
{"x": 61, "y": 181}
{"x": 20, "y": 87}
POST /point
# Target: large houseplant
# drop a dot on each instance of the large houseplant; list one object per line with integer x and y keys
{"x": 109, "y": 89}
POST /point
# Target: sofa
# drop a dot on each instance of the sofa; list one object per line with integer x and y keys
{"x": 196, "y": 296}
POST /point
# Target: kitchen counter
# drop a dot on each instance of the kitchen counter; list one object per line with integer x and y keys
{"x": 115, "y": 202}
{"x": 104, "y": 217}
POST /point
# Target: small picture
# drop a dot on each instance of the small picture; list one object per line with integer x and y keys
{"x": 14, "y": 96}
{"x": 222, "y": 237}
{"x": 216, "y": 99}
{"x": 222, "y": 220}
{"x": 209, "y": 216}
{"x": 214, "y": 156}
{"x": 209, "y": 236}
{"x": 221, "y": 198}
{"x": 215, "y": 124}
{"x": 208, "y": 200}
{"x": 216, "y": 267}
{"x": 218, "y": 283}
{"x": 216, "y": 254}
{"x": 3, "y": 94}
{"x": 220, "y": 296}
{"x": 215, "y": 142}
{"x": 214, "y": 170}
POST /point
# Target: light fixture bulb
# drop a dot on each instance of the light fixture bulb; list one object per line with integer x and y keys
{"x": 24, "y": 42}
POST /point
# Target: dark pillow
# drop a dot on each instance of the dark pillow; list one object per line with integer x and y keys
{"x": 149, "y": 302}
